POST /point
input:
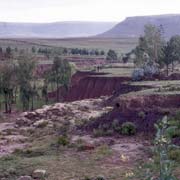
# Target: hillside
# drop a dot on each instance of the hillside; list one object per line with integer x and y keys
{"x": 134, "y": 26}
{"x": 53, "y": 30}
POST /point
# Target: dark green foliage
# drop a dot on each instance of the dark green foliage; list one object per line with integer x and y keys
{"x": 25, "y": 76}
{"x": 112, "y": 55}
{"x": 33, "y": 49}
{"x": 162, "y": 147}
{"x": 8, "y": 50}
{"x": 60, "y": 74}
{"x": 62, "y": 141}
{"x": 150, "y": 45}
{"x": 174, "y": 155}
{"x": 128, "y": 128}
{"x": 8, "y": 84}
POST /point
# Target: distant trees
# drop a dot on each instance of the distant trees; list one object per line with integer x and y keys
{"x": 33, "y": 50}
{"x": 150, "y": 45}
{"x": 111, "y": 55}
{"x": 7, "y": 85}
{"x": 171, "y": 52}
{"x": 60, "y": 75}
{"x": 153, "y": 51}
{"x": 25, "y": 81}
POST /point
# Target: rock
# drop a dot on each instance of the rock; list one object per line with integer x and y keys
{"x": 25, "y": 178}
{"x": 41, "y": 123}
{"x": 22, "y": 121}
{"x": 39, "y": 173}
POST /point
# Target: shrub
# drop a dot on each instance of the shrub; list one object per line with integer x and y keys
{"x": 62, "y": 141}
{"x": 138, "y": 74}
{"x": 150, "y": 70}
{"x": 128, "y": 128}
{"x": 174, "y": 154}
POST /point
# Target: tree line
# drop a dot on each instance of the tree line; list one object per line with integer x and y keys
{"x": 18, "y": 81}
{"x": 153, "y": 49}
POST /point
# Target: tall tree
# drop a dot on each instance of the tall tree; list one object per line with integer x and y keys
{"x": 171, "y": 52}
{"x": 61, "y": 74}
{"x": 150, "y": 45}
{"x": 25, "y": 78}
{"x": 8, "y": 84}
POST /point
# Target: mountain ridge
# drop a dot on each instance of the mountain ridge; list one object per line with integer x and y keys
{"x": 134, "y": 26}
{"x": 63, "y": 29}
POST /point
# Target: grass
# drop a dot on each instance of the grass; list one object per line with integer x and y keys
{"x": 121, "y": 45}
{"x": 126, "y": 72}
{"x": 64, "y": 164}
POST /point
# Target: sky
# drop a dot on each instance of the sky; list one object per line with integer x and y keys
{"x": 82, "y": 10}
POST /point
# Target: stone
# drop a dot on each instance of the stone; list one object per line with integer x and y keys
{"x": 39, "y": 173}
{"x": 41, "y": 123}
{"x": 25, "y": 178}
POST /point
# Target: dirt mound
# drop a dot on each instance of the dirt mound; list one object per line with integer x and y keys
{"x": 147, "y": 101}
{"x": 143, "y": 111}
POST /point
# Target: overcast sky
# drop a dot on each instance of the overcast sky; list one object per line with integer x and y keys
{"x": 82, "y": 10}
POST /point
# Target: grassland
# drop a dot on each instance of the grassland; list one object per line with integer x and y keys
{"x": 121, "y": 45}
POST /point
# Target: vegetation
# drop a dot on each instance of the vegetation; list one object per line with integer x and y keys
{"x": 162, "y": 147}
{"x": 112, "y": 55}
{"x": 128, "y": 128}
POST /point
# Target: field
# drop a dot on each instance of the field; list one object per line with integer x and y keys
{"x": 121, "y": 45}
{"x": 102, "y": 128}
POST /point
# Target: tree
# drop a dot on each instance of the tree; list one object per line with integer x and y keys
{"x": 171, "y": 53}
{"x": 150, "y": 45}
{"x": 8, "y": 84}
{"x": 25, "y": 78}
{"x": 61, "y": 74}
{"x": 8, "y": 52}
{"x": 102, "y": 53}
{"x": 33, "y": 49}
{"x": 111, "y": 55}
{"x": 174, "y": 43}
{"x": 167, "y": 58}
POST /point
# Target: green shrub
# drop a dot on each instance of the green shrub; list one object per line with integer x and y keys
{"x": 174, "y": 154}
{"x": 128, "y": 128}
{"x": 62, "y": 141}
{"x": 173, "y": 132}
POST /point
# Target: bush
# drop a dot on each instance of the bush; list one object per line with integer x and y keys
{"x": 62, "y": 141}
{"x": 128, "y": 128}
{"x": 150, "y": 70}
{"x": 138, "y": 74}
{"x": 174, "y": 155}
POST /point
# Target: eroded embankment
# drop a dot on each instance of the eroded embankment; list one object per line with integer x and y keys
{"x": 87, "y": 85}
{"x": 143, "y": 110}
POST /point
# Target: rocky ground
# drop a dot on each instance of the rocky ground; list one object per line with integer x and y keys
{"x": 14, "y": 134}
{"x": 31, "y": 139}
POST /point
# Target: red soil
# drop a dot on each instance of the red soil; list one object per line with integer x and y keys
{"x": 87, "y": 85}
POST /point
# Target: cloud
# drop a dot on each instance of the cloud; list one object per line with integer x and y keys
{"x": 90, "y": 10}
